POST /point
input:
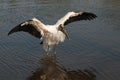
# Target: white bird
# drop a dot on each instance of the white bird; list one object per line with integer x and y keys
{"x": 51, "y": 35}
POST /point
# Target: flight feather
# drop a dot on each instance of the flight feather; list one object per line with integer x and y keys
{"x": 75, "y": 16}
{"x": 32, "y": 26}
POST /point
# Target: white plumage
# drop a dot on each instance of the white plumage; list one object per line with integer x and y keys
{"x": 51, "y": 35}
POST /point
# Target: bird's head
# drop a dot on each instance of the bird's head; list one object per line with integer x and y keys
{"x": 62, "y": 29}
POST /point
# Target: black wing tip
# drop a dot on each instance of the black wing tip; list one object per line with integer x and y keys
{"x": 15, "y": 29}
{"x": 9, "y": 33}
{"x": 89, "y": 15}
{"x": 86, "y": 13}
{"x": 18, "y": 27}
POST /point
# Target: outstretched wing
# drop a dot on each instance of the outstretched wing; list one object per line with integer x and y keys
{"x": 76, "y": 16}
{"x": 34, "y": 27}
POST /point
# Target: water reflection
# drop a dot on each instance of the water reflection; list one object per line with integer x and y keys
{"x": 52, "y": 70}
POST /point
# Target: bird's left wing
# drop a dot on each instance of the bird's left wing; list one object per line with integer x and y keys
{"x": 75, "y": 16}
{"x": 33, "y": 27}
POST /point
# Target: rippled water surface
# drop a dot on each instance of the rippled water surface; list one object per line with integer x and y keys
{"x": 94, "y": 45}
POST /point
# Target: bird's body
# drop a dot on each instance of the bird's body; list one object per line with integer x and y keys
{"x": 51, "y": 35}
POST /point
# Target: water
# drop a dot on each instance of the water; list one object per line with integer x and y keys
{"x": 94, "y": 45}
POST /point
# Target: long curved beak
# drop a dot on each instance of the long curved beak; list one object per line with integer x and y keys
{"x": 65, "y": 32}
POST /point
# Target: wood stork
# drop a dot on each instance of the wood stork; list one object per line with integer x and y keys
{"x": 51, "y": 35}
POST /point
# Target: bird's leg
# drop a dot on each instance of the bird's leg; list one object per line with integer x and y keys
{"x": 54, "y": 53}
{"x": 48, "y": 50}
{"x": 54, "y": 49}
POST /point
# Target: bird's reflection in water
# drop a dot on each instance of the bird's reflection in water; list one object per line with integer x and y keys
{"x": 51, "y": 70}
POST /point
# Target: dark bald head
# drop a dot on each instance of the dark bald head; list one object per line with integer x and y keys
{"x": 62, "y": 29}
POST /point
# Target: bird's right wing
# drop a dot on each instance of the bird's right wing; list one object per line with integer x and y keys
{"x": 34, "y": 27}
{"x": 75, "y": 16}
